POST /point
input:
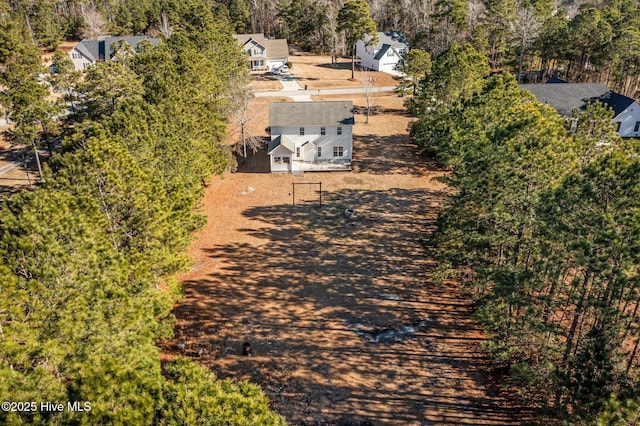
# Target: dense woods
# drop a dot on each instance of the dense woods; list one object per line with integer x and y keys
{"x": 579, "y": 40}
{"x": 543, "y": 231}
{"x": 88, "y": 257}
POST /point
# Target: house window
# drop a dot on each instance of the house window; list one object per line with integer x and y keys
{"x": 323, "y": 131}
{"x": 285, "y": 160}
{"x": 277, "y": 160}
{"x": 319, "y": 151}
{"x": 390, "y": 52}
{"x": 298, "y": 151}
{"x": 339, "y": 130}
{"x": 637, "y": 126}
{"x": 617, "y": 125}
{"x": 338, "y": 151}
{"x": 301, "y": 131}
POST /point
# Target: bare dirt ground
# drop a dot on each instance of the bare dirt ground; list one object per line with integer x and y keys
{"x": 13, "y": 180}
{"x": 316, "y": 72}
{"x": 263, "y": 82}
{"x": 346, "y": 326}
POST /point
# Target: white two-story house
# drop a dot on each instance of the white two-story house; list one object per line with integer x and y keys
{"x": 263, "y": 53}
{"x": 310, "y": 136}
{"x": 386, "y": 54}
{"x": 567, "y": 97}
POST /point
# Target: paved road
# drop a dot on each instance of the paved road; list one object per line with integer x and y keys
{"x": 301, "y": 93}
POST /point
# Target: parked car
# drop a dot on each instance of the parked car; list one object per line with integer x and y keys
{"x": 281, "y": 70}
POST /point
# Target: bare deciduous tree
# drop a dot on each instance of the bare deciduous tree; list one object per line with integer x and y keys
{"x": 164, "y": 26}
{"x": 94, "y": 23}
{"x": 240, "y": 95}
{"x": 369, "y": 91}
{"x": 476, "y": 12}
{"x": 525, "y": 28}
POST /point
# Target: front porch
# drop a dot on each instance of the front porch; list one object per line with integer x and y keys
{"x": 258, "y": 64}
{"x": 321, "y": 166}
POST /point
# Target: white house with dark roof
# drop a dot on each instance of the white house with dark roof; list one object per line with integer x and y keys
{"x": 88, "y": 52}
{"x": 386, "y": 54}
{"x": 310, "y": 136}
{"x": 263, "y": 53}
{"x": 567, "y": 97}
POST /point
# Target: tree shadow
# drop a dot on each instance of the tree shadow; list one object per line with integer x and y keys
{"x": 394, "y": 154}
{"x": 339, "y": 66}
{"x": 256, "y": 162}
{"x": 13, "y": 176}
{"x": 304, "y": 293}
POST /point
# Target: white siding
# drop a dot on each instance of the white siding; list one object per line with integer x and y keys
{"x": 366, "y": 55}
{"x": 384, "y": 64}
{"x": 80, "y": 62}
{"x": 628, "y": 119}
{"x": 309, "y": 151}
{"x": 389, "y": 63}
{"x": 275, "y": 63}
{"x": 280, "y": 160}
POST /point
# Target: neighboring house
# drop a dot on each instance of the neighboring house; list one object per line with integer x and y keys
{"x": 310, "y": 136}
{"x": 88, "y": 52}
{"x": 263, "y": 53}
{"x": 384, "y": 55}
{"x": 566, "y": 97}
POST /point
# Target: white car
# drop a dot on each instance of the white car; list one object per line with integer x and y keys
{"x": 281, "y": 70}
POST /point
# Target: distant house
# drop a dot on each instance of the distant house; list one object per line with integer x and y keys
{"x": 263, "y": 53}
{"x": 386, "y": 54}
{"x": 310, "y": 136}
{"x": 88, "y": 52}
{"x": 566, "y": 97}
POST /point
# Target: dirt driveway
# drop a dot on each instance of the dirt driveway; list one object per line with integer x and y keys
{"x": 13, "y": 177}
{"x": 344, "y": 322}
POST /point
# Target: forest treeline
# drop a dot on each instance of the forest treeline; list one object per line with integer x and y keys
{"x": 88, "y": 256}
{"x": 543, "y": 230}
{"x": 578, "y": 40}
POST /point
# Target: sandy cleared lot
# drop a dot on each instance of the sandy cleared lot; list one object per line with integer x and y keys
{"x": 263, "y": 82}
{"x": 345, "y": 324}
{"x": 13, "y": 180}
{"x": 316, "y": 72}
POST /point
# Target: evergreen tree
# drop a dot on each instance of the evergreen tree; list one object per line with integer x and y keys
{"x": 356, "y": 23}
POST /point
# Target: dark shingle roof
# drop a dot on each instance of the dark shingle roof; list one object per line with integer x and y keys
{"x": 280, "y": 140}
{"x": 570, "y": 96}
{"x": 555, "y": 79}
{"x": 103, "y": 49}
{"x": 88, "y": 48}
{"x": 330, "y": 113}
{"x": 382, "y": 51}
{"x": 394, "y": 39}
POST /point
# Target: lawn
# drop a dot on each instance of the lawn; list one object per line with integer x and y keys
{"x": 317, "y": 72}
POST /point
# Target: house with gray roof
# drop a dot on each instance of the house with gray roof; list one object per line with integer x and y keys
{"x": 310, "y": 136}
{"x": 263, "y": 53}
{"x": 386, "y": 54}
{"x": 567, "y": 97}
{"x": 88, "y": 52}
